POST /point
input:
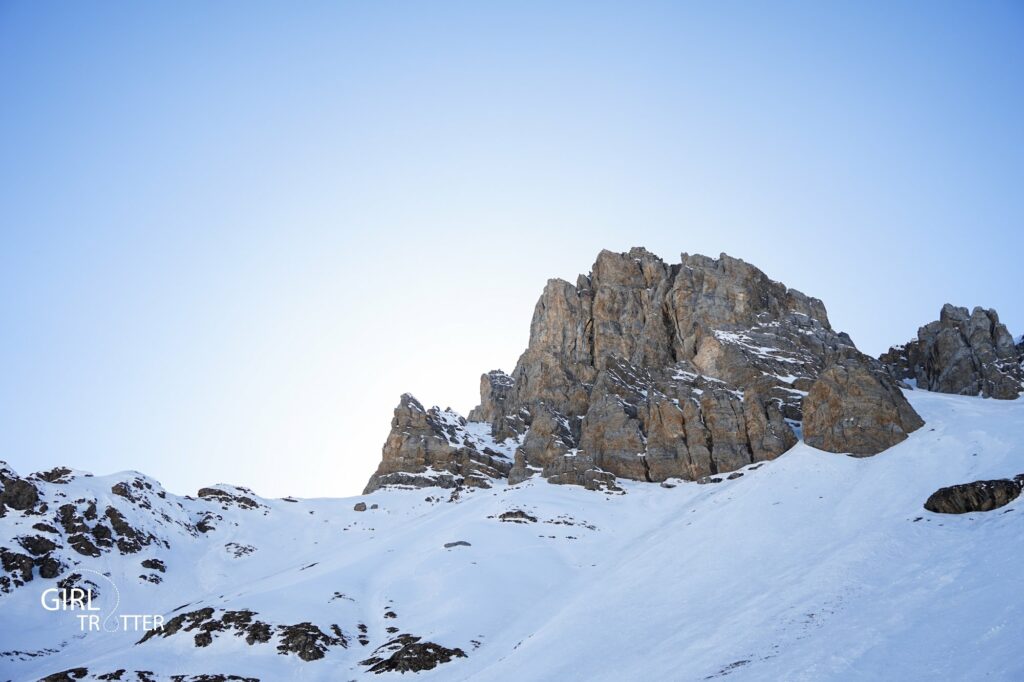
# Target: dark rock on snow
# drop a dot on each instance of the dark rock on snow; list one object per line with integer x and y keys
{"x": 978, "y": 496}
{"x": 410, "y": 654}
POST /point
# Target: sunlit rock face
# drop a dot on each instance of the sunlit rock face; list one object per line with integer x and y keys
{"x": 644, "y": 370}
{"x": 854, "y": 407}
{"x": 434, "y": 448}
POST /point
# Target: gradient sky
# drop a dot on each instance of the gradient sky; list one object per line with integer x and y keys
{"x": 232, "y": 234}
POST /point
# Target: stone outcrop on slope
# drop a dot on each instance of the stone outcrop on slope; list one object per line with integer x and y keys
{"x": 643, "y": 370}
{"x": 55, "y": 520}
{"x": 961, "y": 353}
{"x": 433, "y": 448}
{"x": 978, "y": 496}
{"x": 856, "y": 408}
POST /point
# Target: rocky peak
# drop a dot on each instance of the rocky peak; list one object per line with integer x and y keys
{"x": 965, "y": 353}
{"x": 437, "y": 447}
{"x": 644, "y": 370}
{"x": 719, "y": 314}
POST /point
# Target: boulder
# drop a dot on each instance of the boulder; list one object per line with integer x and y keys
{"x": 520, "y": 470}
{"x": 978, "y": 496}
{"x": 855, "y": 408}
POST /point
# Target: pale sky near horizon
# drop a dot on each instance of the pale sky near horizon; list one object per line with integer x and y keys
{"x": 232, "y": 234}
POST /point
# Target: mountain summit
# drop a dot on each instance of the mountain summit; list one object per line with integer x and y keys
{"x": 648, "y": 371}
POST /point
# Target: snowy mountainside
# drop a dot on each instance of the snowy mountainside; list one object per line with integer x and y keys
{"x": 812, "y": 566}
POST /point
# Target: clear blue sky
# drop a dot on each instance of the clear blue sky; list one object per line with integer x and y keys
{"x": 232, "y": 234}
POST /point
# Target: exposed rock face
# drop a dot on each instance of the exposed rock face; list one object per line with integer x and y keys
{"x": 573, "y": 468}
{"x": 855, "y": 408}
{"x": 495, "y": 406}
{"x": 433, "y": 448}
{"x": 230, "y": 496}
{"x": 15, "y": 492}
{"x": 725, "y": 316}
{"x": 649, "y": 371}
{"x": 55, "y": 475}
{"x": 642, "y": 370}
{"x": 495, "y": 388}
{"x": 962, "y": 353}
{"x": 408, "y": 653}
{"x": 975, "y": 497}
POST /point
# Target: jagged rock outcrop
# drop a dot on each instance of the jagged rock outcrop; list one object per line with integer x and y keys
{"x": 724, "y": 316}
{"x": 978, "y": 496}
{"x": 16, "y": 493}
{"x": 230, "y": 496}
{"x": 495, "y": 399}
{"x": 652, "y": 371}
{"x": 642, "y": 370}
{"x": 495, "y": 388}
{"x": 961, "y": 353}
{"x": 433, "y": 448}
{"x": 408, "y": 653}
{"x": 854, "y": 407}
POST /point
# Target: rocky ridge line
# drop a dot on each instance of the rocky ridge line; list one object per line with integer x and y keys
{"x": 964, "y": 353}
{"x": 647, "y": 371}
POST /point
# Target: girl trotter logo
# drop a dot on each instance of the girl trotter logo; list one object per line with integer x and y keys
{"x": 81, "y": 597}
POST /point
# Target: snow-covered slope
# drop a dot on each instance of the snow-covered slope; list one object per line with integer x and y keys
{"x": 814, "y": 566}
